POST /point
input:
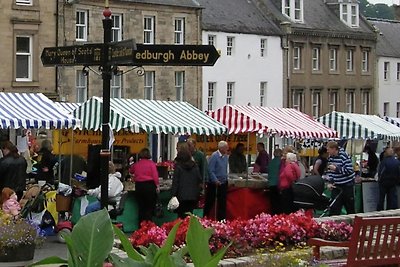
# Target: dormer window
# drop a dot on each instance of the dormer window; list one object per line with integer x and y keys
{"x": 293, "y": 9}
{"x": 349, "y": 14}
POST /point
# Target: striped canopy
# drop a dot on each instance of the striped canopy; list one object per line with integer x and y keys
{"x": 285, "y": 122}
{"x": 360, "y": 126}
{"x": 392, "y": 120}
{"x": 33, "y": 110}
{"x": 149, "y": 116}
{"x": 68, "y": 107}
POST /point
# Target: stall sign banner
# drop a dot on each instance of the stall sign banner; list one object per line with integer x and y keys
{"x": 208, "y": 144}
{"x": 82, "y": 139}
{"x": 309, "y": 147}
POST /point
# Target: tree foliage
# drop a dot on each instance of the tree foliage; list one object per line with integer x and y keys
{"x": 381, "y": 11}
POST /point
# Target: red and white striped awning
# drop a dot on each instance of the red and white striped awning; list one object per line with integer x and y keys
{"x": 285, "y": 122}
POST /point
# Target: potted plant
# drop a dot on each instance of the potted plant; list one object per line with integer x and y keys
{"x": 17, "y": 240}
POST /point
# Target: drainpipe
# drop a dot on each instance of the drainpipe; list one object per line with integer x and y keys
{"x": 57, "y": 25}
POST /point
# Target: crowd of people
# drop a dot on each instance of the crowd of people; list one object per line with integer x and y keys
{"x": 194, "y": 175}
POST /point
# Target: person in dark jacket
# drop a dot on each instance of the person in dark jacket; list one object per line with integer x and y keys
{"x": 46, "y": 160}
{"x": 237, "y": 160}
{"x": 321, "y": 162}
{"x": 372, "y": 164}
{"x": 262, "y": 160}
{"x": 186, "y": 183}
{"x": 388, "y": 175}
{"x": 12, "y": 169}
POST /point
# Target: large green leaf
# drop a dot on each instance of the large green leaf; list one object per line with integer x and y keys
{"x": 217, "y": 257}
{"x": 72, "y": 255}
{"x": 197, "y": 239}
{"x": 163, "y": 258}
{"x": 50, "y": 260}
{"x": 130, "y": 251}
{"x": 127, "y": 262}
{"x": 92, "y": 238}
{"x": 177, "y": 257}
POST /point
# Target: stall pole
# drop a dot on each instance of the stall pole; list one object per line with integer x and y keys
{"x": 59, "y": 154}
{"x": 72, "y": 153}
{"x": 106, "y": 76}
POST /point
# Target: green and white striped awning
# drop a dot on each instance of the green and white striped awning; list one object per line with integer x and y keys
{"x": 150, "y": 116}
{"x": 360, "y": 126}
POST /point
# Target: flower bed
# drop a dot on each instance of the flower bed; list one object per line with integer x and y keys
{"x": 263, "y": 231}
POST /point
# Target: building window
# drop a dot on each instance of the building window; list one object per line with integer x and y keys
{"x": 350, "y": 60}
{"x": 293, "y": 9}
{"x": 229, "y": 45}
{"x": 116, "y": 28}
{"x": 365, "y": 61}
{"x": 179, "y": 33}
{"x": 149, "y": 78}
{"x": 398, "y": 72}
{"x": 81, "y": 28}
{"x": 23, "y": 2}
{"x": 298, "y": 99}
{"x": 296, "y": 58}
{"x": 333, "y": 59}
{"x": 148, "y": 30}
{"x": 263, "y": 93}
{"x": 212, "y": 39}
{"x": 349, "y": 14}
{"x": 316, "y": 103}
{"x": 398, "y": 109}
{"x": 81, "y": 86}
{"x": 212, "y": 86}
{"x": 23, "y": 59}
{"x": 179, "y": 85}
{"x": 316, "y": 64}
{"x": 386, "y": 70}
{"x": 386, "y": 109}
{"x": 365, "y": 100}
{"x": 230, "y": 87}
{"x": 333, "y": 100}
{"x": 350, "y": 101}
{"x": 263, "y": 47}
{"x": 116, "y": 86}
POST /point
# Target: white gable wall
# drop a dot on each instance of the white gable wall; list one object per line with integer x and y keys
{"x": 389, "y": 89}
{"x": 246, "y": 68}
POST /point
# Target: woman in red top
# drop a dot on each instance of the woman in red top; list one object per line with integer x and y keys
{"x": 146, "y": 180}
{"x": 289, "y": 174}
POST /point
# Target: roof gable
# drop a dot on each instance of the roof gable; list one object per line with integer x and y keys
{"x": 388, "y": 38}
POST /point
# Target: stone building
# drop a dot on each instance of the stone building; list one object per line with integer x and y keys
{"x": 329, "y": 58}
{"x": 27, "y": 26}
{"x": 30, "y": 25}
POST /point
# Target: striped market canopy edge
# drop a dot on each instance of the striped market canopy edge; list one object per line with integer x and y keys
{"x": 33, "y": 110}
{"x": 68, "y": 107}
{"x": 360, "y": 126}
{"x": 150, "y": 116}
{"x": 285, "y": 122}
{"x": 392, "y": 120}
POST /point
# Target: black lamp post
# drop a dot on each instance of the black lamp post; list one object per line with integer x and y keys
{"x": 106, "y": 76}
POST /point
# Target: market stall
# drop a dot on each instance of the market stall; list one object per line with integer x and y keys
{"x": 362, "y": 127}
{"x": 148, "y": 116}
{"x": 283, "y": 122}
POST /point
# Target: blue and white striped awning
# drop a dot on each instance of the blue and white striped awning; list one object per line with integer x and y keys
{"x": 68, "y": 107}
{"x": 393, "y": 120}
{"x": 33, "y": 110}
{"x": 150, "y": 116}
{"x": 360, "y": 126}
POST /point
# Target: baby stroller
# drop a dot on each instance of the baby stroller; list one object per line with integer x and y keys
{"x": 308, "y": 193}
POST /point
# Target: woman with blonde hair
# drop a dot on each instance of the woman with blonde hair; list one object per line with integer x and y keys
{"x": 290, "y": 173}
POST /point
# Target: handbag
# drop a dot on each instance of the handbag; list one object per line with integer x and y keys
{"x": 159, "y": 212}
{"x": 173, "y": 203}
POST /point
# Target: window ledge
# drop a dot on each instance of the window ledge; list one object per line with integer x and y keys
{"x": 367, "y": 73}
{"x": 25, "y": 84}
{"x": 298, "y": 71}
{"x": 334, "y": 72}
{"x": 32, "y": 7}
{"x": 317, "y": 72}
{"x": 350, "y": 73}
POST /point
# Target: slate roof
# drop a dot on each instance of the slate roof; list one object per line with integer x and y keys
{"x": 181, "y": 3}
{"x": 236, "y": 16}
{"x": 388, "y": 44}
{"x": 320, "y": 18}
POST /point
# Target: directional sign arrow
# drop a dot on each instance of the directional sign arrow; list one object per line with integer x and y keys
{"x": 122, "y": 52}
{"x": 87, "y": 54}
{"x": 178, "y": 55}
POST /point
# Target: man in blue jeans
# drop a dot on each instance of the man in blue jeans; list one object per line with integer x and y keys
{"x": 388, "y": 176}
{"x": 217, "y": 184}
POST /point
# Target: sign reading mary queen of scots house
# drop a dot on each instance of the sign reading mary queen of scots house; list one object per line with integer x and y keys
{"x": 209, "y": 144}
{"x": 82, "y": 139}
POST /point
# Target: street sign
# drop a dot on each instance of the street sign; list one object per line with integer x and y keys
{"x": 121, "y": 53}
{"x": 175, "y": 55}
{"x": 89, "y": 54}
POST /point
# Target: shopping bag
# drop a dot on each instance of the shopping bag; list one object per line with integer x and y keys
{"x": 173, "y": 204}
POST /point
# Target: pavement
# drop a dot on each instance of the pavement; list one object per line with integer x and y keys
{"x": 51, "y": 247}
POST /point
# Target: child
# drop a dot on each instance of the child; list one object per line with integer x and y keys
{"x": 9, "y": 202}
